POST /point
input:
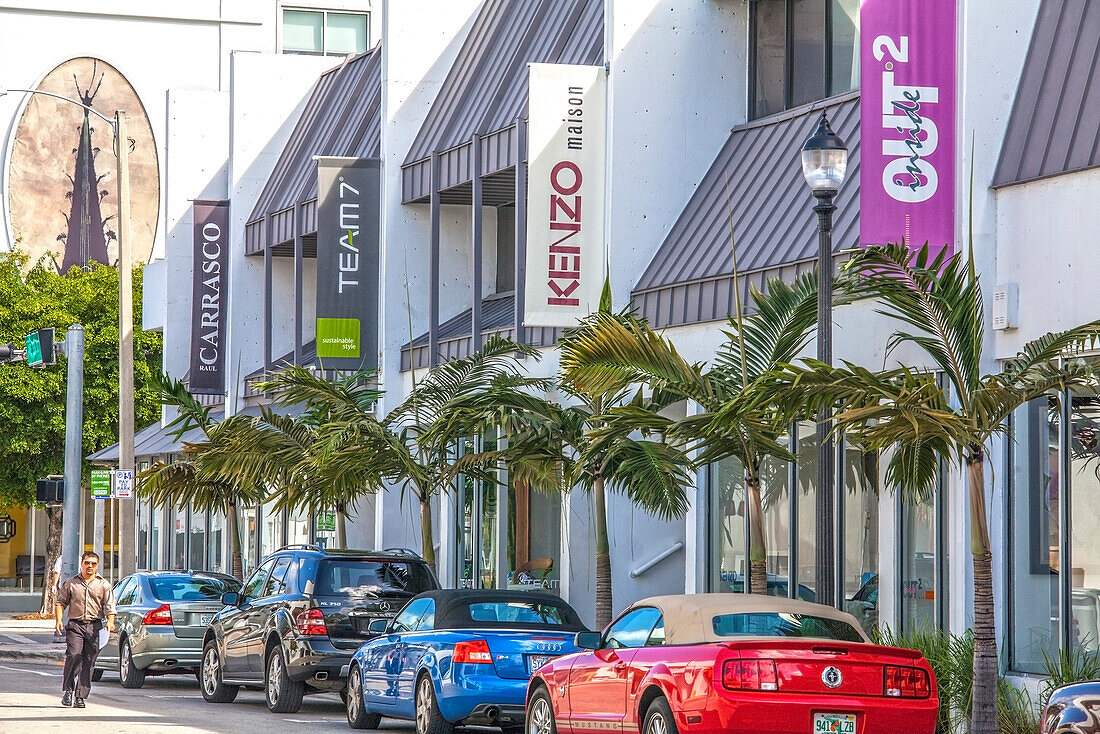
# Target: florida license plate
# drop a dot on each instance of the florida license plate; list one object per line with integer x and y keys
{"x": 534, "y": 662}
{"x": 205, "y": 619}
{"x": 834, "y": 723}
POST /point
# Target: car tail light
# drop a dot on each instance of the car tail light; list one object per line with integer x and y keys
{"x": 749, "y": 675}
{"x": 900, "y": 681}
{"x": 160, "y": 615}
{"x": 311, "y": 622}
{"x": 472, "y": 651}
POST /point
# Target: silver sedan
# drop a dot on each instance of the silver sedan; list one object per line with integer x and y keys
{"x": 161, "y": 618}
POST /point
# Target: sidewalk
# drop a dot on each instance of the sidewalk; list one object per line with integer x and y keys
{"x": 28, "y": 639}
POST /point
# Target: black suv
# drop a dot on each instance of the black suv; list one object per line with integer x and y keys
{"x": 298, "y": 619}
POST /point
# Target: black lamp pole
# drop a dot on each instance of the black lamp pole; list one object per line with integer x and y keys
{"x": 824, "y": 162}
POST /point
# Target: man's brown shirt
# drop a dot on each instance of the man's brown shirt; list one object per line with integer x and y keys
{"x": 87, "y": 600}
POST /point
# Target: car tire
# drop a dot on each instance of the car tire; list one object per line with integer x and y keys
{"x": 97, "y": 675}
{"x": 358, "y": 718}
{"x": 659, "y": 718}
{"x": 429, "y": 719}
{"x": 540, "y": 714}
{"x": 210, "y": 676}
{"x": 128, "y": 674}
{"x": 283, "y": 695}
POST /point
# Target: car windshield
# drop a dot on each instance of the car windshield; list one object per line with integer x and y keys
{"x": 546, "y": 615}
{"x": 348, "y": 577}
{"x": 191, "y": 588}
{"x": 783, "y": 624}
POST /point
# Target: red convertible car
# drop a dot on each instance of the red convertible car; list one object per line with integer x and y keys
{"x": 731, "y": 663}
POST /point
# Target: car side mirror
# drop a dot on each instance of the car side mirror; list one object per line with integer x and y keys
{"x": 231, "y": 599}
{"x": 587, "y": 640}
{"x": 378, "y": 626}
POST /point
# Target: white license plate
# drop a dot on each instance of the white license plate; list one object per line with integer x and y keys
{"x": 205, "y": 619}
{"x": 834, "y": 723}
{"x": 534, "y": 662}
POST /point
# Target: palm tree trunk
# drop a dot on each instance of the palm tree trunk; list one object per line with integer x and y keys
{"x": 984, "y": 707}
{"x": 427, "y": 534}
{"x": 758, "y": 551}
{"x": 236, "y": 563}
{"x": 603, "y": 556}
{"x": 341, "y": 526}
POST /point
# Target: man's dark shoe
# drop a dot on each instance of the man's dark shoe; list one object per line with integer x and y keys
{"x": 67, "y": 699}
{"x": 79, "y": 703}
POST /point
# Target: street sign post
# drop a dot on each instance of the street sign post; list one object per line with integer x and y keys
{"x": 101, "y": 484}
{"x": 124, "y": 484}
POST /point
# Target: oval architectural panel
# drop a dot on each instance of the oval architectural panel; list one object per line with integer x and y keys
{"x": 63, "y": 185}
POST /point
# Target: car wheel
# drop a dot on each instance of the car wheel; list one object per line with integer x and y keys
{"x": 128, "y": 675}
{"x": 540, "y": 714}
{"x": 658, "y": 718}
{"x": 358, "y": 718}
{"x": 284, "y": 696}
{"x": 429, "y": 720}
{"x": 213, "y": 690}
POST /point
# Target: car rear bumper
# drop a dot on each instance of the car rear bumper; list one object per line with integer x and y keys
{"x": 159, "y": 650}
{"x": 316, "y": 661}
{"x": 794, "y": 714}
{"x": 484, "y": 700}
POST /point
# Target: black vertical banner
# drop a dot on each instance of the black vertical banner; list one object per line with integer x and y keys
{"x": 207, "y": 298}
{"x": 348, "y": 192}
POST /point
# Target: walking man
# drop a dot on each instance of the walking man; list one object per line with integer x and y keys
{"x": 89, "y": 599}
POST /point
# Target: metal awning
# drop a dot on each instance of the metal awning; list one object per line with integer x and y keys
{"x": 343, "y": 117}
{"x": 1052, "y": 128}
{"x": 485, "y": 94}
{"x": 757, "y": 179}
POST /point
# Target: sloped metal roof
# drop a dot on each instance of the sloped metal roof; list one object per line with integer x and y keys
{"x": 485, "y": 92}
{"x": 757, "y": 180}
{"x": 343, "y": 117}
{"x": 1055, "y": 122}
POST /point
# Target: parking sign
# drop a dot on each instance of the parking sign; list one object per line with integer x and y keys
{"x": 124, "y": 484}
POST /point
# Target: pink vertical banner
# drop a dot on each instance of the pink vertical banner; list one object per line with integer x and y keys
{"x": 907, "y": 123}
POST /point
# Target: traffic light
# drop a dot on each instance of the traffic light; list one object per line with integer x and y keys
{"x": 50, "y": 490}
{"x": 40, "y": 351}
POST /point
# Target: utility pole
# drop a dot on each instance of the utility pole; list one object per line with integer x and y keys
{"x": 74, "y": 436}
{"x": 127, "y": 516}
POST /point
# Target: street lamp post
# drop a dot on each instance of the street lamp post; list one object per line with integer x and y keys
{"x": 125, "y": 310}
{"x": 824, "y": 162}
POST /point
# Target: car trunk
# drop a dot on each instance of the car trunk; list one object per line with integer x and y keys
{"x": 348, "y": 617}
{"x": 518, "y": 653}
{"x": 801, "y": 664}
{"x": 189, "y": 618}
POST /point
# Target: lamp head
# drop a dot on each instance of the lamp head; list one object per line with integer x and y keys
{"x": 824, "y": 158}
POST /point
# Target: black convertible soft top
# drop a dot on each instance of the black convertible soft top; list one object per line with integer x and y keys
{"x": 452, "y": 609}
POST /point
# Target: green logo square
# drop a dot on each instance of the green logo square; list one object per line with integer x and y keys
{"x": 34, "y": 349}
{"x": 338, "y": 338}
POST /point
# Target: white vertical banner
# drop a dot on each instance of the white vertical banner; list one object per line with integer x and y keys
{"x": 566, "y": 145}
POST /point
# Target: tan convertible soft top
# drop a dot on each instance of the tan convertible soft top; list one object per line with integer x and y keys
{"x": 689, "y": 617}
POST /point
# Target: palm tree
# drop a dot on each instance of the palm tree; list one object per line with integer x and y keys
{"x": 905, "y": 410}
{"x": 741, "y": 416}
{"x": 187, "y": 481}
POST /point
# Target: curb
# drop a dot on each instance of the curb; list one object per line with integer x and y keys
{"x": 43, "y": 655}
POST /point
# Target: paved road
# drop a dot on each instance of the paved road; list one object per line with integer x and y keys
{"x": 30, "y": 699}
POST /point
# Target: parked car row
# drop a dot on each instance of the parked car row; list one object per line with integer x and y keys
{"x": 375, "y": 627}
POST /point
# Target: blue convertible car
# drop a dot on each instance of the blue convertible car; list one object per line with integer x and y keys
{"x": 458, "y": 657}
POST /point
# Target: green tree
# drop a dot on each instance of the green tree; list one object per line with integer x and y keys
{"x": 906, "y": 413}
{"x": 741, "y": 417}
{"x": 32, "y": 401}
{"x": 187, "y": 481}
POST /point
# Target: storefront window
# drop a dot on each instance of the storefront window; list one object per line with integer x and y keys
{"x": 297, "y": 528}
{"x": 860, "y": 473}
{"x": 1084, "y": 494}
{"x": 807, "y": 510}
{"x": 272, "y": 521}
{"x": 729, "y": 540}
{"x": 198, "y": 540}
{"x": 534, "y": 539}
{"x": 216, "y": 544}
{"x": 918, "y": 565}
{"x": 1034, "y": 539}
{"x": 142, "y": 533}
{"x": 155, "y": 536}
{"x": 478, "y": 540}
{"x": 250, "y": 537}
{"x": 179, "y": 538}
